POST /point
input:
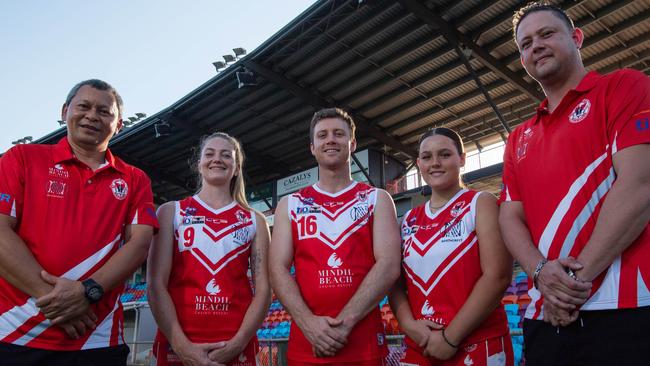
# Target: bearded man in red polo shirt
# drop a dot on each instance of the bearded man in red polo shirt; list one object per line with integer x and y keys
{"x": 75, "y": 222}
{"x": 576, "y": 201}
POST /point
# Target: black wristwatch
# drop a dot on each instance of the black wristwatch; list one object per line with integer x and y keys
{"x": 92, "y": 290}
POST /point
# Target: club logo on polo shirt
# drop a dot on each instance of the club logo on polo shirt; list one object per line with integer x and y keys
{"x": 56, "y": 188}
{"x": 120, "y": 188}
{"x": 471, "y": 348}
{"x": 522, "y": 143}
{"x": 580, "y": 112}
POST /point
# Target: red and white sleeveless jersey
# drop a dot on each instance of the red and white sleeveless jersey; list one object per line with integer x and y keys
{"x": 560, "y": 166}
{"x": 440, "y": 256}
{"x": 332, "y": 242}
{"x": 208, "y": 281}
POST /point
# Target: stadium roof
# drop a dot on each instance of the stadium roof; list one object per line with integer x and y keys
{"x": 398, "y": 67}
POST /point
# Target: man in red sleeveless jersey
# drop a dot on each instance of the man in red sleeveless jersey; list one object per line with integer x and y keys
{"x": 577, "y": 185}
{"x": 75, "y": 221}
{"x": 343, "y": 239}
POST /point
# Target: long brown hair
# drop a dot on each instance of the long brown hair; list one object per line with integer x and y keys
{"x": 237, "y": 184}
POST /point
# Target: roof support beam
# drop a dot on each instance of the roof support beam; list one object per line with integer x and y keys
{"x": 456, "y": 37}
{"x": 318, "y": 102}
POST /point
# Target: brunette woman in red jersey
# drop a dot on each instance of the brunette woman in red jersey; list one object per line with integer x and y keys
{"x": 455, "y": 267}
{"x": 199, "y": 291}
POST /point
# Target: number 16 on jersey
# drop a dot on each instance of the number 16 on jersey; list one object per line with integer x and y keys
{"x": 307, "y": 226}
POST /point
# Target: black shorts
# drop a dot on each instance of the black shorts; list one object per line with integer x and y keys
{"x": 12, "y": 355}
{"x": 603, "y": 337}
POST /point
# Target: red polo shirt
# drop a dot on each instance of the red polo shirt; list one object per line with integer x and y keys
{"x": 73, "y": 220}
{"x": 559, "y": 165}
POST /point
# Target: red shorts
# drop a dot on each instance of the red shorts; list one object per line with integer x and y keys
{"x": 164, "y": 354}
{"x": 493, "y": 352}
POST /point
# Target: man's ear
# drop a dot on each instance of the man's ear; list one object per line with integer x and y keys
{"x": 578, "y": 37}
{"x": 64, "y": 111}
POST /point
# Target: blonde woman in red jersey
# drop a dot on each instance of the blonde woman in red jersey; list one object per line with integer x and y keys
{"x": 199, "y": 290}
{"x": 455, "y": 267}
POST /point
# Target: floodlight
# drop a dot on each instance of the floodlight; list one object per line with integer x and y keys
{"x": 239, "y": 51}
{"x": 219, "y": 65}
{"x": 140, "y": 115}
{"x": 229, "y": 58}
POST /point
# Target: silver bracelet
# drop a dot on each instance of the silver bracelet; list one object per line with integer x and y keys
{"x": 538, "y": 269}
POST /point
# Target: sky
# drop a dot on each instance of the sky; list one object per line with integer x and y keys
{"x": 152, "y": 51}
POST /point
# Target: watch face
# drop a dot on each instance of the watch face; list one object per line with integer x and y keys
{"x": 94, "y": 293}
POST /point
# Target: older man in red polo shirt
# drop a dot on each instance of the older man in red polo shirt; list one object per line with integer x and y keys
{"x": 577, "y": 185}
{"x": 75, "y": 221}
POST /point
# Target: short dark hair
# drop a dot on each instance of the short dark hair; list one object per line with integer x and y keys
{"x": 539, "y": 6}
{"x": 455, "y": 137}
{"x": 99, "y": 85}
{"x": 331, "y": 113}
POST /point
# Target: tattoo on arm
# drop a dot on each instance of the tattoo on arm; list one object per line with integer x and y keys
{"x": 256, "y": 262}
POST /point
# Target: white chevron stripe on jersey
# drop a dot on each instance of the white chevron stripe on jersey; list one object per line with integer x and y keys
{"x": 217, "y": 236}
{"x": 135, "y": 218}
{"x": 82, "y": 268}
{"x": 560, "y": 211}
{"x": 29, "y": 309}
{"x": 101, "y": 335}
{"x": 208, "y": 263}
{"x": 642, "y": 292}
{"x": 33, "y": 333}
{"x": 586, "y": 213}
{"x": 423, "y": 247}
{"x": 432, "y": 260}
{"x": 334, "y": 232}
{"x": 334, "y": 215}
{"x": 607, "y": 290}
{"x": 18, "y": 315}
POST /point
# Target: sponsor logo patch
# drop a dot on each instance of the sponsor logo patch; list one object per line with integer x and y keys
{"x": 643, "y": 124}
{"x": 427, "y": 309}
{"x": 193, "y": 220}
{"x": 303, "y": 210}
{"x": 212, "y": 288}
{"x": 59, "y": 171}
{"x": 5, "y": 197}
{"x": 334, "y": 261}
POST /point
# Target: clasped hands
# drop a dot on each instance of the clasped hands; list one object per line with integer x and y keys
{"x": 66, "y": 306}
{"x": 563, "y": 294}
{"x": 327, "y": 335}
{"x": 428, "y": 335}
{"x": 209, "y": 354}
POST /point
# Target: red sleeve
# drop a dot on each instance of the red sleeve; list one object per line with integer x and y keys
{"x": 141, "y": 210}
{"x": 12, "y": 182}
{"x": 628, "y": 121}
{"x": 509, "y": 188}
